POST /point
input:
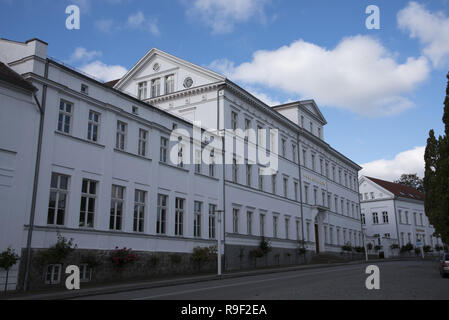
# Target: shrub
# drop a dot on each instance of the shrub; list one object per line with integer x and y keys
{"x": 359, "y": 249}
{"x": 175, "y": 258}
{"x": 394, "y": 246}
{"x": 427, "y": 249}
{"x": 58, "y": 252}
{"x": 257, "y": 253}
{"x": 407, "y": 248}
{"x": 265, "y": 246}
{"x": 91, "y": 260}
{"x": 438, "y": 248}
{"x": 154, "y": 260}
{"x": 378, "y": 248}
{"x": 369, "y": 246}
{"x": 8, "y": 259}
{"x": 122, "y": 257}
{"x": 417, "y": 251}
{"x": 346, "y": 247}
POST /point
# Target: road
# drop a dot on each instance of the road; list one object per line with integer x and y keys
{"x": 398, "y": 280}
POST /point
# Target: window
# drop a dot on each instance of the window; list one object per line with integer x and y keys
{"x": 319, "y": 132}
{"x": 262, "y": 225}
{"x": 308, "y": 231}
{"x": 53, "y": 274}
{"x": 415, "y": 218}
{"x": 287, "y": 228}
{"x": 179, "y": 217}
{"x": 295, "y": 187}
{"x": 65, "y": 116}
{"x": 294, "y": 153}
{"x": 181, "y": 155}
{"x": 323, "y": 198}
{"x": 306, "y": 194}
{"x": 302, "y": 121}
{"x": 372, "y": 195}
{"x": 164, "y": 149}
{"x": 313, "y": 161}
{"x": 198, "y": 161}
{"x": 285, "y": 187}
{"x": 385, "y": 216}
{"x": 212, "y": 210}
{"x": 273, "y": 183}
{"x": 135, "y": 110}
{"x": 57, "y": 205}
{"x": 248, "y": 175}
{"x": 406, "y": 217}
{"x": 84, "y": 89}
{"x": 143, "y": 138}
{"x": 88, "y": 199}
{"x": 327, "y": 169}
{"x": 85, "y": 273}
{"x": 375, "y": 218}
{"x": 247, "y": 128}
{"x": 249, "y": 223}
{"x": 155, "y": 88}
{"x": 235, "y": 220}
{"x": 260, "y": 180}
{"x": 117, "y": 199}
{"x": 315, "y": 196}
{"x": 93, "y": 126}
{"x": 139, "y": 211}
{"x": 234, "y": 120}
{"x": 363, "y": 219}
{"x": 311, "y": 127}
{"x": 333, "y": 174}
{"x": 304, "y": 158}
{"x": 142, "y": 91}
{"x": 298, "y": 230}
{"x": 235, "y": 171}
{"x": 275, "y": 226}
{"x": 421, "y": 219}
{"x": 329, "y": 201}
{"x": 321, "y": 166}
{"x": 169, "y": 84}
{"x": 336, "y": 204}
{"x": 161, "y": 219}
{"x": 284, "y": 148}
{"x": 212, "y": 164}
{"x": 197, "y": 213}
{"x": 400, "y": 216}
{"x": 121, "y": 136}
{"x": 331, "y": 235}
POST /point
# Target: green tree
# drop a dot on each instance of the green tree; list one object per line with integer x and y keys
{"x": 411, "y": 180}
{"x": 8, "y": 259}
{"x": 436, "y": 180}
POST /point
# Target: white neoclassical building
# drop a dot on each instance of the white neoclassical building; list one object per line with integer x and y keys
{"x": 106, "y": 176}
{"x": 396, "y": 212}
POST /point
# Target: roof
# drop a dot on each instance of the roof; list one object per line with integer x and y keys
{"x": 399, "y": 190}
{"x": 111, "y": 83}
{"x": 10, "y": 76}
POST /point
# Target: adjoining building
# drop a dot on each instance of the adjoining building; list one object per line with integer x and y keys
{"x": 106, "y": 175}
{"x": 396, "y": 212}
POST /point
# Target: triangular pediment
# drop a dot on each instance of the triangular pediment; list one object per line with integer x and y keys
{"x": 366, "y": 183}
{"x": 310, "y": 107}
{"x": 157, "y": 63}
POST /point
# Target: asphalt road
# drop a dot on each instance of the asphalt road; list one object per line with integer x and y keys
{"x": 398, "y": 280}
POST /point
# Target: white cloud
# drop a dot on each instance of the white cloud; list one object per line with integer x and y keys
{"x": 104, "y": 72}
{"x": 411, "y": 161}
{"x": 139, "y": 21}
{"x": 105, "y": 25}
{"x": 432, "y": 30}
{"x": 81, "y": 54}
{"x": 222, "y": 15}
{"x": 359, "y": 75}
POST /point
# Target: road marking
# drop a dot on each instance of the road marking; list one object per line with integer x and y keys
{"x": 243, "y": 283}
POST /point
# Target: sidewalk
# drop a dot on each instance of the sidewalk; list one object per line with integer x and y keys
{"x": 132, "y": 286}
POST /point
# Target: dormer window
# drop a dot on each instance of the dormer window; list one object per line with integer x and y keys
{"x": 84, "y": 89}
{"x": 142, "y": 91}
{"x": 155, "y": 88}
{"x": 169, "y": 84}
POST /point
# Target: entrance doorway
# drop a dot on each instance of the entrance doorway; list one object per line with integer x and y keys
{"x": 317, "y": 239}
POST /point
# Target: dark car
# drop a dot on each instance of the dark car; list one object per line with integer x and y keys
{"x": 444, "y": 265}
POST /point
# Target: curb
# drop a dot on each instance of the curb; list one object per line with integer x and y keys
{"x": 175, "y": 282}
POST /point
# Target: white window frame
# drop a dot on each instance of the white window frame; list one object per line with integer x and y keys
{"x": 161, "y": 217}
{"x": 65, "y": 115}
{"x": 143, "y": 142}
{"x": 139, "y": 210}
{"x": 58, "y": 191}
{"x": 93, "y": 126}
{"x": 179, "y": 216}
{"x": 88, "y": 196}
{"x": 116, "y": 203}
{"x": 120, "y": 140}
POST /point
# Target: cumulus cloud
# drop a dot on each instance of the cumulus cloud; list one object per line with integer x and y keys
{"x": 103, "y": 71}
{"x": 359, "y": 74}
{"x": 105, "y": 25}
{"x": 139, "y": 21}
{"x": 411, "y": 161}
{"x": 431, "y": 29}
{"x": 81, "y": 54}
{"x": 222, "y": 15}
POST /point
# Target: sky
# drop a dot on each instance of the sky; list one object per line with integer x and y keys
{"x": 381, "y": 90}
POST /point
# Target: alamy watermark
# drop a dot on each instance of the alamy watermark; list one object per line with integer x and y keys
{"x": 373, "y": 20}
{"x": 73, "y": 21}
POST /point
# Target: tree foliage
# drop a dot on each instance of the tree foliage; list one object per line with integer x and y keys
{"x": 436, "y": 180}
{"x": 411, "y": 180}
{"x": 8, "y": 259}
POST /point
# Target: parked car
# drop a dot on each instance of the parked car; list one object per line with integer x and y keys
{"x": 444, "y": 265}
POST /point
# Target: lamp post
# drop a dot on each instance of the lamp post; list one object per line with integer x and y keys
{"x": 218, "y": 213}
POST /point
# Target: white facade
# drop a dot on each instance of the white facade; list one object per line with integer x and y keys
{"x": 315, "y": 196}
{"x": 396, "y": 216}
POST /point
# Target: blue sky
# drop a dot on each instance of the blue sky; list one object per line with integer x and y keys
{"x": 380, "y": 90}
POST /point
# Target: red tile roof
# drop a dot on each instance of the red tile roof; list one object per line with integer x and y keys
{"x": 399, "y": 190}
{"x": 111, "y": 83}
{"x": 10, "y": 76}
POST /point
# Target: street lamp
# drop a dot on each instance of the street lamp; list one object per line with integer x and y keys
{"x": 218, "y": 213}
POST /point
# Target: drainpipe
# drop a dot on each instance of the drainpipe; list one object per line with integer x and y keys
{"x": 36, "y": 179}
{"x": 300, "y": 189}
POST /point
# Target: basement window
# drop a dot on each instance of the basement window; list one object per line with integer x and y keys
{"x": 53, "y": 274}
